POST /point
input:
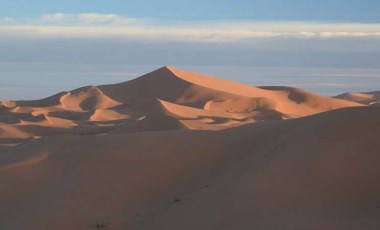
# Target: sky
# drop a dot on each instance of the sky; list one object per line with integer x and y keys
{"x": 73, "y": 43}
{"x": 269, "y": 10}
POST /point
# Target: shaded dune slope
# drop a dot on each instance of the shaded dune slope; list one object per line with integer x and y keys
{"x": 316, "y": 172}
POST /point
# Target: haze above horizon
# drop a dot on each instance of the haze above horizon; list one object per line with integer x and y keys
{"x": 70, "y": 44}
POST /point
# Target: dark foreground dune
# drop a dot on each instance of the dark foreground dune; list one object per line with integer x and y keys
{"x": 179, "y": 150}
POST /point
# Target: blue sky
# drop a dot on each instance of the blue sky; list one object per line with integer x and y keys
{"x": 64, "y": 43}
{"x": 326, "y": 10}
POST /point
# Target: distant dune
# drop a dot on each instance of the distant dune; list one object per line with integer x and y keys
{"x": 179, "y": 150}
{"x": 167, "y": 98}
{"x": 368, "y": 98}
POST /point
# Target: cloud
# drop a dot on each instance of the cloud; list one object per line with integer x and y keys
{"x": 94, "y": 25}
{"x": 110, "y": 38}
{"x": 91, "y": 18}
{"x": 54, "y": 17}
{"x": 88, "y": 19}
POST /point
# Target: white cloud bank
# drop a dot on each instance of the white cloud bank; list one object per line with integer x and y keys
{"x": 94, "y": 25}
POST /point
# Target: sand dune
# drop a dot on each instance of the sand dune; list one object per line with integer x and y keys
{"x": 308, "y": 176}
{"x": 190, "y": 100}
{"x": 180, "y": 150}
{"x": 87, "y": 98}
{"x": 8, "y": 131}
{"x": 363, "y": 98}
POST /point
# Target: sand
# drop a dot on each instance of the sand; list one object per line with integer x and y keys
{"x": 179, "y": 150}
{"x": 366, "y": 98}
